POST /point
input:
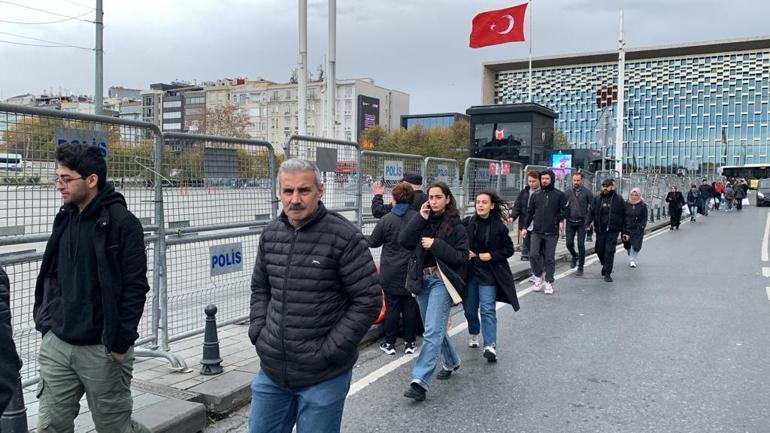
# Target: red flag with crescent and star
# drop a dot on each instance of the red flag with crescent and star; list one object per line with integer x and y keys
{"x": 498, "y": 26}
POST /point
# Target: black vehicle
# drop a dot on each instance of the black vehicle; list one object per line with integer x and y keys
{"x": 763, "y": 192}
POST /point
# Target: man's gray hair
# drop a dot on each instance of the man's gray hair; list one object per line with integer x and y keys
{"x": 297, "y": 164}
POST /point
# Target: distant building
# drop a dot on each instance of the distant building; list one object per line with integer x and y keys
{"x": 120, "y": 92}
{"x": 431, "y": 120}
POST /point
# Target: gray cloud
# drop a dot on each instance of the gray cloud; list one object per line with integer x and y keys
{"x": 418, "y": 47}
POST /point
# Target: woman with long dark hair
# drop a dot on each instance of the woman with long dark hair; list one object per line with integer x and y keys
{"x": 490, "y": 247}
{"x": 436, "y": 274}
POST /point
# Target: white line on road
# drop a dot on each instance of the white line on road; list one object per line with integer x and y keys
{"x": 398, "y": 362}
{"x": 767, "y": 290}
{"x": 764, "y": 239}
{"x": 766, "y": 272}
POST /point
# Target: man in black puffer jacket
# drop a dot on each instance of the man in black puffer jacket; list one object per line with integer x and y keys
{"x": 314, "y": 294}
{"x": 608, "y": 216}
{"x": 548, "y": 207}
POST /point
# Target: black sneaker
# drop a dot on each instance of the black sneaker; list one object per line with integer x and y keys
{"x": 573, "y": 262}
{"x": 387, "y": 348}
{"x": 445, "y": 374}
{"x": 579, "y": 271}
{"x": 490, "y": 354}
{"x": 415, "y": 392}
{"x": 409, "y": 348}
{"x": 608, "y": 278}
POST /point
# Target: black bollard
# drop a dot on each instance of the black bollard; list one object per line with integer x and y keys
{"x": 664, "y": 212}
{"x": 658, "y": 214}
{"x": 212, "y": 363}
{"x": 14, "y": 419}
{"x": 652, "y": 215}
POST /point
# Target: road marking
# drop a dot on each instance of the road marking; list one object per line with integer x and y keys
{"x": 767, "y": 290}
{"x": 764, "y": 239}
{"x": 381, "y": 372}
{"x": 766, "y": 272}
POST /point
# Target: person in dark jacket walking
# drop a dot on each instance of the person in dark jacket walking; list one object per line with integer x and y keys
{"x": 380, "y": 209}
{"x": 394, "y": 260}
{"x": 579, "y": 199}
{"x": 693, "y": 201}
{"x": 706, "y": 193}
{"x": 490, "y": 278}
{"x": 636, "y": 222}
{"x": 547, "y": 209}
{"x": 10, "y": 364}
{"x": 437, "y": 267}
{"x": 521, "y": 207}
{"x": 89, "y": 298}
{"x": 608, "y": 219}
{"x": 740, "y": 192}
{"x": 314, "y": 294}
{"x": 675, "y": 201}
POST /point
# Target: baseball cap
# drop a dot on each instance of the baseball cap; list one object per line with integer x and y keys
{"x": 608, "y": 181}
{"x": 413, "y": 178}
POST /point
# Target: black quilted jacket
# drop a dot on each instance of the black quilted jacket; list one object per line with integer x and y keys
{"x": 314, "y": 294}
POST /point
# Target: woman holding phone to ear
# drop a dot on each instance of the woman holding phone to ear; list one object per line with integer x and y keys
{"x": 439, "y": 247}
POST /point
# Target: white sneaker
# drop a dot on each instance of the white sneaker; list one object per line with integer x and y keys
{"x": 538, "y": 285}
{"x": 532, "y": 279}
{"x": 474, "y": 341}
{"x": 490, "y": 354}
{"x": 632, "y": 264}
{"x": 548, "y": 289}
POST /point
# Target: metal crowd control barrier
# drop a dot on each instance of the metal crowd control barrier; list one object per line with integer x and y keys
{"x": 510, "y": 181}
{"x": 387, "y": 169}
{"x": 479, "y": 175}
{"x": 218, "y": 192}
{"x": 29, "y": 203}
{"x": 606, "y": 174}
{"x": 444, "y": 170}
{"x": 340, "y": 165}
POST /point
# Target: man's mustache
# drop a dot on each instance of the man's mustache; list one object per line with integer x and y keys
{"x": 297, "y": 206}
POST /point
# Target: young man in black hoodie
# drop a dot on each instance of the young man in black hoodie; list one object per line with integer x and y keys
{"x": 89, "y": 298}
{"x": 548, "y": 207}
{"x": 608, "y": 217}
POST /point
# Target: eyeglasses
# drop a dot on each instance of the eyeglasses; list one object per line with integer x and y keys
{"x": 64, "y": 180}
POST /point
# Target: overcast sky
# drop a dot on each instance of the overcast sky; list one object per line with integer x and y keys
{"x": 418, "y": 46}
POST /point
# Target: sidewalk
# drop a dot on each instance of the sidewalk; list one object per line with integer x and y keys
{"x": 171, "y": 401}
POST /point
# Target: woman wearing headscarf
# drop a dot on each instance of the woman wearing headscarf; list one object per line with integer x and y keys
{"x": 675, "y": 201}
{"x": 636, "y": 221}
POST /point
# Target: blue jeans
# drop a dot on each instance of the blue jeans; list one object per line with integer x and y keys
{"x": 316, "y": 408}
{"x": 434, "y": 302}
{"x": 693, "y": 212}
{"x": 481, "y": 297}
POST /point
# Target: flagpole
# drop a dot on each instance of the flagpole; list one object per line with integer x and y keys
{"x": 621, "y": 91}
{"x": 529, "y": 98}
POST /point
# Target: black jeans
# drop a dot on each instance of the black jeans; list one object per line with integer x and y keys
{"x": 676, "y": 215}
{"x": 543, "y": 255}
{"x": 525, "y": 245}
{"x": 578, "y": 228}
{"x": 396, "y": 306}
{"x": 739, "y": 204}
{"x": 605, "y": 249}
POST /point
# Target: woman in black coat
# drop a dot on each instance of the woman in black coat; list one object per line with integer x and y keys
{"x": 490, "y": 248}
{"x": 394, "y": 261}
{"x": 636, "y": 221}
{"x": 675, "y": 201}
{"x": 436, "y": 275}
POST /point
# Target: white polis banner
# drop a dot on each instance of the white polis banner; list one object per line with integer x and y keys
{"x": 225, "y": 259}
{"x": 393, "y": 170}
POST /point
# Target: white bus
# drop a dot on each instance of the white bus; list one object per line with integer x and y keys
{"x": 11, "y": 162}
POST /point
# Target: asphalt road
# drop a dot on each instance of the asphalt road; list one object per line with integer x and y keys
{"x": 679, "y": 344}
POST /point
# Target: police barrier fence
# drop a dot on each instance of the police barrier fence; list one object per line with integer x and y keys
{"x": 29, "y": 203}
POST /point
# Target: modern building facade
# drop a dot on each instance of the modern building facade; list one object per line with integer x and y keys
{"x": 432, "y": 120}
{"x": 695, "y": 106}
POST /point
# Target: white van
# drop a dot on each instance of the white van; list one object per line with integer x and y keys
{"x": 11, "y": 162}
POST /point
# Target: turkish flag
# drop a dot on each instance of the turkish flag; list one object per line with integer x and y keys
{"x": 498, "y": 26}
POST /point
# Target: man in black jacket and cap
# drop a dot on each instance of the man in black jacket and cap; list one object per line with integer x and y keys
{"x": 9, "y": 358}
{"x": 89, "y": 298}
{"x": 314, "y": 294}
{"x": 380, "y": 208}
{"x": 608, "y": 217}
{"x": 548, "y": 208}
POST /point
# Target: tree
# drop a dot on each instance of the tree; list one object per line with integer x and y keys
{"x": 560, "y": 140}
{"x": 225, "y": 121}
